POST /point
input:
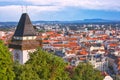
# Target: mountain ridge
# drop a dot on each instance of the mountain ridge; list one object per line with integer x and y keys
{"x": 96, "y": 20}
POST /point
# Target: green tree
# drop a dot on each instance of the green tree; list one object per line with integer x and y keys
{"x": 44, "y": 66}
{"x": 6, "y": 63}
{"x": 85, "y": 71}
{"x": 17, "y": 68}
{"x": 28, "y": 73}
{"x": 24, "y": 72}
{"x": 59, "y": 32}
{"x": 41, "y": 31}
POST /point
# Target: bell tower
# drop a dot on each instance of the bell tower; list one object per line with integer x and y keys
{"x": 24, "y": 39}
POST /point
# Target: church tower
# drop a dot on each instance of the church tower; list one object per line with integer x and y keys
{"x": 24, "y": 40}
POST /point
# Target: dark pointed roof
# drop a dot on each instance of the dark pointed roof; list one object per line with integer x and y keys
{"x": 24, "y": 27}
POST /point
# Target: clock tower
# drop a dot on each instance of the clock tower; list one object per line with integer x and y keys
{"x": 24, "y": 40}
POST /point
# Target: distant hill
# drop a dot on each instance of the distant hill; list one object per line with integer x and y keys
{"x": 97, "y": 20}
{"x": 75, "y": 21}
{"x": 8, "y": 23}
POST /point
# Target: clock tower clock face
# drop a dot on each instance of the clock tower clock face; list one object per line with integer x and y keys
{"x": 17, "y": 56}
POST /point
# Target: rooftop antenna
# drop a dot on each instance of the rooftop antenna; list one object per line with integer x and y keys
{"x": 26, "y": 9}
{"x": 22, "y": 8}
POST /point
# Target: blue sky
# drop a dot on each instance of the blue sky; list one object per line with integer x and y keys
{"x": 62, "y": 10}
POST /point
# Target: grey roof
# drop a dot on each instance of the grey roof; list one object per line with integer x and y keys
{"x": 24, "y": 27}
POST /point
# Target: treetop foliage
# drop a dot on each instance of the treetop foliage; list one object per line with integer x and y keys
{"x": 43, "y": 66}
{"x": 6, "y": 63}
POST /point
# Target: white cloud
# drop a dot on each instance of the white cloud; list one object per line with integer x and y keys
{"x": 36, "y": 7}
{"x": 19, "y": 8}
{"x": 8, "y": 0}
{"x": 44, "y": 8}
{"x": 11, "y": 12}
{"x": 87, "y": 4}
{"x": 58, "y": 5}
